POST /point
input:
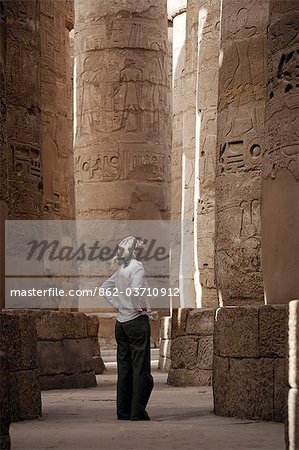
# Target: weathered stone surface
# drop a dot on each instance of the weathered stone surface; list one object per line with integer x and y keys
{"x": 56, "y": 142}
{"x": 4, "y": 403}
{"x": 280, "y": 390}
{"x": 236, "y": 332}
{"x": 184, "y": 352}
{"x": 50, "y": 357}
{"x": 165, "y": 345}
{"x": 281, "y": 160}
{"x": 200, "y": 322}
{"x": 205, "y": 352}
{"x": 3, "y": 153}
{"x": 73, "y": 381}
{"x": 240, "y": 147}
{"x": 98, "y": 364}
{"x": 273, "y": 331}
{"x": 294, "y": 344}
{"x": 57, "y": 325}
{"x": 179, "y": 322}
{"x": 95, "y": 346}
{"x": 77, "y": 355}
{"x": 185, "y": 377}
{"x": 48, "y": 326}
{"x": 23, "y": 109}
{"x": 93, "y": 326}
{"x": 251, "y": 388}
{"x": 207, "y": 60}
{"x": 25, "y": 395}
{"x": 292, "y": 434}
{"x": 221, "y": 386}
{"x": 18, "y": 336}
{"x": 123, "y": 110}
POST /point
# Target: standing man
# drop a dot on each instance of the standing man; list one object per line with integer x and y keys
{"x": 124, "y": 291}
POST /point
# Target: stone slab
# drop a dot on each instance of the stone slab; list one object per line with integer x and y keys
{"x": 58, "y": 325}
{"x": 251, "y": 388}
{"x": 5, "y": 418}
{"x": 221, "y": 386}
{"x": 294, "y": 343}
{"x": 74, "y": 381}
{"x": 93, "y": 326}
{"x": 77, "y": 355}
{"x": 200, "y": 322}
{"x": 18, "y": 336}
{"x": 205, "y": 352}
{"x": 95, "y": 346}
{"x": 179, "y": 322}
{"x": 50, "y": 356}
{"x": 25, "y": 395}
{"x": 280, "y": 390}
{"x": 185, "y": 377}
{"x": 183, "y": 352}
{"x": 273, "y": 323}
{"x": 236, "y": 332}
{"x": 98, "y": 365}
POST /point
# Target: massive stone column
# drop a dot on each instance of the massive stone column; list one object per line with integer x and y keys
{"x": 3, "y": 149}
{"x": 208, "y": 38}
{"x": 240, "y": 147}
{"x": 23, "y": 109}
{"x": 182, "y": 169}
{"x": 280, "y": 193}
{"x": 58, "y": 194}
{"x": 122, "y": 141}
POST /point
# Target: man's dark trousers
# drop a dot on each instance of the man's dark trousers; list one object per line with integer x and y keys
{"x": 135, "y": 382}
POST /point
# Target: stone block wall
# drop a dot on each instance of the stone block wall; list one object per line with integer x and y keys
{"x": 64, "y": 350}
{"x": 5, "y": 416}
{"x": 93, "y": 334}
{"x": 18, "y": 339}
{"x": 249, "y": 365}
{"x": 191, "y": 347}
{"x": 292, "y": 428}
{"x": 165, "y": 344}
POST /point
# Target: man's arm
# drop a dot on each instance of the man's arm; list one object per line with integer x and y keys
{"x": 137, "y": 283}
{"x": 107, "y": 286}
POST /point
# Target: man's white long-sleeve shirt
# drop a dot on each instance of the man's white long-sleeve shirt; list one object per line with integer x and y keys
{"x": 120, "y": 288}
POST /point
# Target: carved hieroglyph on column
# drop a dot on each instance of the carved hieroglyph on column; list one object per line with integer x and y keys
{"x": 240, "y": 146}
{"x": 23, "y": 109}
{"x": 122, "y": 141}
{"x": 280, "y": 194}
{"x": 3, "y": 150}
{"x": 208, "y": 36}
{"x": 58, "y": 171}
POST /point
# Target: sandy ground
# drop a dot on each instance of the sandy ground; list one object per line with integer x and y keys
{"x": 182, "y": 419}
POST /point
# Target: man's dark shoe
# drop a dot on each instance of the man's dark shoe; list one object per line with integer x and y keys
{"x": 124, "y": 417}
{"x": 145, "y": 416}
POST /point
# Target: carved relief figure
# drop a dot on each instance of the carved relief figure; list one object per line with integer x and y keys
{"x": 130, "y": 80}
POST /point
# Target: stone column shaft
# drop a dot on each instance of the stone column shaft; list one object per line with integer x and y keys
{"x": 208, "y": 38}
{"x": 122, "y": 142}
{"x": 23, "y": 109}
{"x": 3, "y": 151}
{"x": 58, "y": 194}
{"x": 240, "y": 148}
{"x": 280, "y": 193}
